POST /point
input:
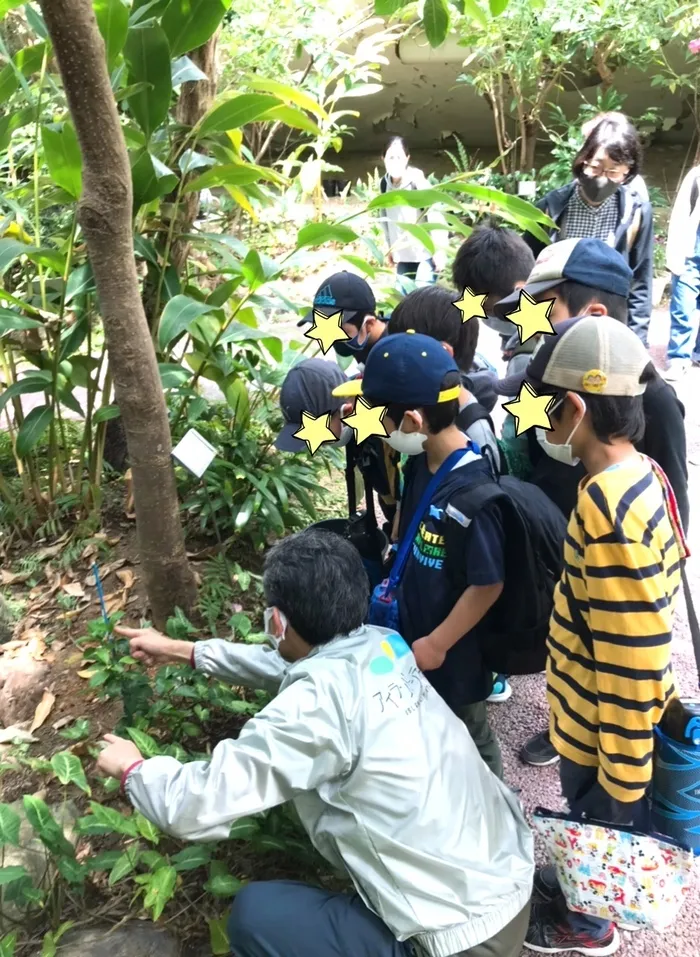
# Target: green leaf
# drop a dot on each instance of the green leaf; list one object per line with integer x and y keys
{"x": 104, "y": 861}
{"x": 288, "y": 94}
{"x": 147, "y": 829}
{"x": 151, "y": 179}
{"x": 359, "y": 263}
{"x": 25, "y": 62}
{"x": 419, "y": 233}
{"x": 236, "y": 112}
{"x": 14, "y": 121}
{"x": 497, "y": 7}
{"x": 111, "y": 821}
{"x": 235, "y": 174}
{"x": 8, "y": 944}
{"x": 26, "y": 385}
{"x": 316, "y": 234}
{"x": 80, "y": 281}
{"x": 243, "y": 829}
{"x": 218, "y": 937}
{"x": 223, "y": 885}
{"x": 152, "y": 859}
{"x": 385, "y": 8}
{"x": 69, "y": 770}
{"x": 189, "y": 859}
{"x": 32, "y": 429}
{"x": 513, "y": 204}
{"x": 9, "y": 825}
{"x": 293, "y": 117}
{"x": 62, "y": 154}
{"x": 236, "y": 396}
{"x": 172, "y": 376}
{"x": 436, "y": 20}
{"x": 10, "y": 874}
{"x": 416, "y": 198}
{"x": 46, "y": 826}
{"x": 161, "y": 888}
{"x": 113, "y": 23}
{"x": 147, "y": 56}
{"x": 473, "y": 9}
{"x": 144, "y": 742}
{"x": 179, "y": 312}
{"x": 71, "y": 870}
{"x": 7, "y": 5}
{"x": 124, "y": 865}
{"x": 12, "y": 322}
{"x": 188, "y": 24}
{"x": 10, "y": 250}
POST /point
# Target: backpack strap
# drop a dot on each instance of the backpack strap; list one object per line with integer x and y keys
{"x": 694, "y": 192}
{"x": 633, "y": 229}
{"x": 350, "y": 478}
{"x": 474, "y": 412}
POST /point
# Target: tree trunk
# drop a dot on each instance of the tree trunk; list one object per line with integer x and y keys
{"x": 105, "y": 211}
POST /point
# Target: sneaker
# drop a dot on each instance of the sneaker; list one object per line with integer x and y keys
{"x": 501, "y": 690}
{"x": 545, "y": 935}
{"x": 539, "y": 751}
{"x": 677, "y": 368}
{"x": 546, "y": 886}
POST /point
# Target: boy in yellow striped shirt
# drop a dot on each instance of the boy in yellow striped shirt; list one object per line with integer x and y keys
{"x": 609, "y": 672}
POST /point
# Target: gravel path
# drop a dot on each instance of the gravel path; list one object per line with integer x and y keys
{"x": 526, "y": 712}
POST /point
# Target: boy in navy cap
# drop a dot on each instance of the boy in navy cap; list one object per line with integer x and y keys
{"x": 419, "y": 382}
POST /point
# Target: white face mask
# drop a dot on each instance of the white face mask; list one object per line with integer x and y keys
{"x": 406, "y": 443}
{"x": 345, "y": 436}
{"x": 267, "y": 619}
{"x": 561, "y": 453}
{"x": 395, "y": 167}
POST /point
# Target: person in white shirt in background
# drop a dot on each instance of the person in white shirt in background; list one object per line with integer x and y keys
{"x": 683, "y": 262}
{"x": 410, "y": 257}
{"x": 637, "y": 184}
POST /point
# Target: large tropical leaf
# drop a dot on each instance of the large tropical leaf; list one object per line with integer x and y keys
{"x": 32, "y": 429}
{"x": 417, "y": 198}
{"x": 63, "y": 158}
{"x": 234, "y": 174}
{"x": 291, "y": 116}
{"x": 436, "y": 20}
{"x": 151, "y": 179}
{"x": 25, "y": 62}
{"x": 179, "y": 312}
{"x": 147, "y": 55}
{"x": 113, "y": 23}
{"x": 237, "y": 111}
{"x": 315, "y": 234}
{"x": 189, "y": 23}
{"x": 288, "y": 94}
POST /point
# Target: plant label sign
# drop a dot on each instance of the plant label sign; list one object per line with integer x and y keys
{"x": 194, "y": 452}
{"x": 527, "y": 188}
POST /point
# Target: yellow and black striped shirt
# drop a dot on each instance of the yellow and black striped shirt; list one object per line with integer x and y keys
{"x": 609, "y": 672}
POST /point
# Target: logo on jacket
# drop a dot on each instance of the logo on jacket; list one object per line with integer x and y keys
{"x": 394, "y": 647}
{"x": 325, "y": 297}
{"x": 436, "y": 512}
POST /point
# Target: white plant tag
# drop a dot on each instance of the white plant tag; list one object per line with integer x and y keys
{"x": 194, "y": 452}
{"x": 527, "y": 188}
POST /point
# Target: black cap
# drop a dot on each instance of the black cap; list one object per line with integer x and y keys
{"x": 343, "y": 291}
{"x": 308, "y": 387}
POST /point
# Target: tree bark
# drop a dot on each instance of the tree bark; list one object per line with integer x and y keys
{"x": 105, "y": 212}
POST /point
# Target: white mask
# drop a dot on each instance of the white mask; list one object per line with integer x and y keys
{"x": 395, "y": 168}
{"x": 560, "y": 453}
{"x": 267, "y": 619}
{"x": 345, "y": 436}
{"x": 406, "y": 443}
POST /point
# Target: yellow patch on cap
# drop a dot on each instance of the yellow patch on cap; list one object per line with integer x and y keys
{"x": 594, "y": 380}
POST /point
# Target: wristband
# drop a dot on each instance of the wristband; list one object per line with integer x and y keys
{"x": 132, "y": 767}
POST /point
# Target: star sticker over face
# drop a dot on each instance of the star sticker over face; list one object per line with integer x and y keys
{"x": 530, "y": 410}
{"x": 315, "y": 431}
{"x": 367, "y": 420}
{"x": 532, "y": 317}
{"x": 471, "y": 305}
{"x": 327, "y": 330}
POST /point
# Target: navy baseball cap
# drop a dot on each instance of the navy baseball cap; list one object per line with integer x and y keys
{"x": 590, "y": 262}
{"x": 308, "y": 387}
{"x": 345, "y": 292}
{"x": 405, "y": 369}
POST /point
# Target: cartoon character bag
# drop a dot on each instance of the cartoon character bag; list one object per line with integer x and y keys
{"x": 636, "y": 880}
{"x": 384, "y": 606}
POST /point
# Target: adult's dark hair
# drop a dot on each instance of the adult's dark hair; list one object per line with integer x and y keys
{"x": 431, "y": 311}
{"x": 577, "y": 297}
{"x": 491, "y": 261}
{"x": 394, "y": 141}
{"x": 317, "y": 579}
{"x": 620, "y": 141}
{"x": 438, "y": 417}
{"x": 615, "y": 416}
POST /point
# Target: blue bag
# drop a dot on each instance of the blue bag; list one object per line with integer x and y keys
{"x": 384, "y": 605}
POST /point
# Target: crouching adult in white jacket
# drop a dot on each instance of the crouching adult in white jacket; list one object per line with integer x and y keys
{"x": 386, "y": 780}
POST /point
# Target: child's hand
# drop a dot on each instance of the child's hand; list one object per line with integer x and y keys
{"x": 428, "y": 656}
{"x": 118, "y": 756}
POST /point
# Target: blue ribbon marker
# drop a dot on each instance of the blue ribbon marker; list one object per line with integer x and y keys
{"x": 100, "y": 593}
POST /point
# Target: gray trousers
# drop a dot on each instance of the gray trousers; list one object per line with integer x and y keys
{"x": 475, "y": 716}
{"x": 287, "y": 919}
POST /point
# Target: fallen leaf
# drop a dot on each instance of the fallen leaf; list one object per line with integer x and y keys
{"x": 74, "y": 658}
{"x": 114, "y": 541}
{"x": 85, "y": 674}
{"x": 50, "y": 551}
{"x": 115, "y": 602}
{"x": 100, "y": 536}
{"x": 62, "y": 722}
{"x": 16, "y": 736}
{"x": 74, "y": 589}
{"x": 126, "y": 577}
{"x": 43, "y": 710}
{"x": 13, "y": 578}
{"x": 90, "y": 581}
{"x": 89, "y": 552}
{"x": 36, "y": 646}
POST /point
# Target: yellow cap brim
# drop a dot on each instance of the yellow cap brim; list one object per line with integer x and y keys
{"x": 351, "y": 388}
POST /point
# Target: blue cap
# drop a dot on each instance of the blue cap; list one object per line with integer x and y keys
{"x": 590, "y": 262}
{"x": 405, "y": 369}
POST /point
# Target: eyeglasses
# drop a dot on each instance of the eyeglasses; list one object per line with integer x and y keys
{"x": 614, "y": 175}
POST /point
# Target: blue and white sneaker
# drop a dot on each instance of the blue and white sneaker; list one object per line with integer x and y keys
{"x": 501, "y": 690}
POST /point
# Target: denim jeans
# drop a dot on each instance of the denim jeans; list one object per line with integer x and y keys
{"x": 685, "y": 301}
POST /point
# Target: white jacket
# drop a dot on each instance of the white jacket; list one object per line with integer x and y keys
{"x": 402, "y": 245}
{"x": 683, "y": 224}
{"x": 386, "y": 780}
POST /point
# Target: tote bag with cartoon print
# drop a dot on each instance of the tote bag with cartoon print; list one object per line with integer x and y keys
{"x": 636, "y": 880}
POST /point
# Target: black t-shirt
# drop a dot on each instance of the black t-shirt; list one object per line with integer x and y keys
{"x": 426, "y": 594}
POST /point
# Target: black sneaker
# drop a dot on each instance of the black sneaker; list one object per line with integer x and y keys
{"x": 539, "y": 751}
{"x": 549, "y": 935}
{"x": 546, "y": 886}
